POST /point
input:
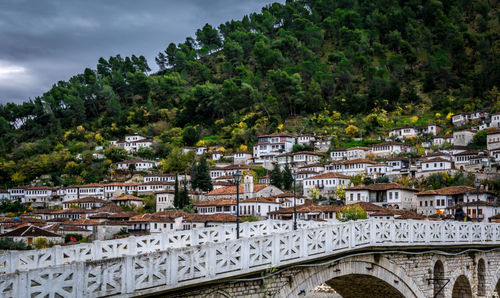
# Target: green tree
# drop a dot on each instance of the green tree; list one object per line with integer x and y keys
{"x": 200, "y": 176}
{"x": 287, "y": 178}
{"x": 116, "y": 154}
{"x": 276, "y": 176}
{"x": 479, "y": 139}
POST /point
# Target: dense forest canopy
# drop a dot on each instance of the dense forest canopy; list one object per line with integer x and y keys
{"x": 330, "y": 62}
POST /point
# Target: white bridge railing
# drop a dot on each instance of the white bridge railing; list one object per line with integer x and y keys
{"x": 152, "y": 272}
{"x": 99, "y": 250}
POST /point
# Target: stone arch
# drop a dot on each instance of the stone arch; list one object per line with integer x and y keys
{"x": 481, "y": 277}
{"x": 379, "y": 274}
{"x": 461, "y": 288}
{"x": 438, "y": 282}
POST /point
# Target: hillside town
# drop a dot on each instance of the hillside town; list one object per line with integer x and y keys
{"x": 284, "y": 176}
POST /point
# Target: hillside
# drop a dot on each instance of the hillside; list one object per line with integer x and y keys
{"x": 314, "y": 66}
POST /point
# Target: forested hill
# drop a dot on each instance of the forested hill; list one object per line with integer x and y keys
{"x": 327, "y": 62}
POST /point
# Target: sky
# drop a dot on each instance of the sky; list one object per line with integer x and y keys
{"x": 43, "y": 42}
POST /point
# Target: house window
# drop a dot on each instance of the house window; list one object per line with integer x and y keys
{"x": 359, "y": 196}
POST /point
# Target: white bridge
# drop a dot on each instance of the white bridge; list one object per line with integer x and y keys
{"x": 165, "y": 262}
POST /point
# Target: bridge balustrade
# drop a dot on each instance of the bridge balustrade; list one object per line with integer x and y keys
{"x": 151, "y": 272}
{"x": 99, "y": 250}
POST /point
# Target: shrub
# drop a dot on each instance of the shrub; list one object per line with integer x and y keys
{"x": 351, "y": 212}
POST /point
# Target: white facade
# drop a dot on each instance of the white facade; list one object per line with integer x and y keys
{"x": 493, "y": 140}
{"x": 388, "y": 149}
{"x": 462, "y": 138}
{"x": 326, "y": 183}
{"x": 437, "y": 164}
{"x": 140, "y": 165}
{"x": 164, "y": 200}
{"x": 272, "y": 145}
{"x": 382, "y": 194}
{"x": 241, "y": 158}
{"x": 404, "y": 132}
{"x": 495, "y": 120}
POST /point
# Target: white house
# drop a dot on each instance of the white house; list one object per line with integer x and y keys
{"x": 325, "y": 183}
{"x": 298, "y": 159}
{"x": 16, "y": 193}
{"x": 442, "y": 140}
{"x": 4, "y": 194}
{"x": 95, "y": 190}
{"x": 29, "y": 234}
{"x": 388, "y": 149}
{"x": 164, "y": 200}
{"x": 338, "y": 154}
{"x": 272, "y": 145}
{"x": 349, "y": 167}
{"x": 459, "y": 119}
{"x": 242, "y": 157}
{"x": 463, "y": 137}
{"x": 306, "y": 139}
{"x": 247, "y": 190}
{"x": 445, "y": 199}
{"x": 85, "y": 203}
{"x": 217, "y": 172}
{"x": 128, "y": 200}
{"x": 404, "y": 132}
{"x": 378, "y": 169}
{"x": 113, "y": 190}
{"x": 493, "y": 139}
{"x": 227, "y": 206}
{"x": 431, "y": 129}
{"x": 258, "y": 206}
{"x": 38, "y": 196}
{"x": 140, "y": 165}
{"x": 495, "y": 120}
{"x": 382, "y": 194}
{"x": 435, "y": 164}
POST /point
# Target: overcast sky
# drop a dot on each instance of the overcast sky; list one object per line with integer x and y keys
{"x": 42, "y": 42}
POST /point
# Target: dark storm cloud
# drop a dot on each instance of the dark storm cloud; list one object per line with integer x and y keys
{"x": 42, "y": 42}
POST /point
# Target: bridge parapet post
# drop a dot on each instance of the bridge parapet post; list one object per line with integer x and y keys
{"x": 97, "y": 249}
{"x": 275, "y": 250}
{"x": 245, "y": 230}
{"x": 131, "y": 245}
{"x": 303, "y": 235}
{"x": 164, "y": 241}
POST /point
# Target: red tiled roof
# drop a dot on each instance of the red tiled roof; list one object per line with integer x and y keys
{"x": 452, "y": 190}
{"x": 328, "y": 175}
{"x": 29, "y": 231}
{"x": 127, "y": 198}
{"x": 221, "y": 202}
{"x": 217, "y": 217}
{"x": 86, "y": 200}
{"x": 380, "y": 187}
{"x": 230, "y": 190}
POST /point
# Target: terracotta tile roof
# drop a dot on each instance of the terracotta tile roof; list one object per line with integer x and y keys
{"x": 353, "y": 161}
{"x": 380, "y": 187}
{"x": 310, "y": 208}
{"x": 158, "y": 183}
{"x": 127, "y": 198}
{"x": 276, "y": 135}
{"x": 39, "y": 188}
{"x": 217, "y": 217}
{"x": 221, "y": 202}
{"x": 120, "y": 184}
{"x": 109, "y": 208}
{"x": 452, "y": 190}
{"x": 86, "y": 200}
{"x": 231, "y": 190}
{"x": 388, "y": 143}
{"x": 369, "y": 207}
{"x": 222, "y": 183}
{"x": 72, "y": 211}
{"x": 81, "y": 222}
{"x": 260, "y": 200}
{"x": 437, "y": 159}
{"x": 90, "y": 185}
{"x": 328, "y": 175}
{"x": 29, "y": 231}
{"x": 480, "y": 203}
{"x": 122, "y": 215}
{"x": 65, "y": 228}
{"x": 224, "y": 177}
{"x": 313, "y": 165}
{"x": 493, "y": 131}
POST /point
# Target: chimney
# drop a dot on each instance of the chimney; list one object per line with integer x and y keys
{"x": 248, "y": 184}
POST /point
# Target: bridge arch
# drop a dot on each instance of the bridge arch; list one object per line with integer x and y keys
{"x": 438, "y": 282}
{"x": 461, "y": 288}
{"x": 481, "y": 277}
{"x": 377, "y": 272}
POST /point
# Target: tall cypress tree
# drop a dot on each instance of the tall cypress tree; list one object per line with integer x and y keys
{"x": 276, "y": 176}
{"x": 176, "y": 192}
{"x": 184, "y": 196}
{"x": 287, "y": 178}
{"x": 203, "y": 175}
